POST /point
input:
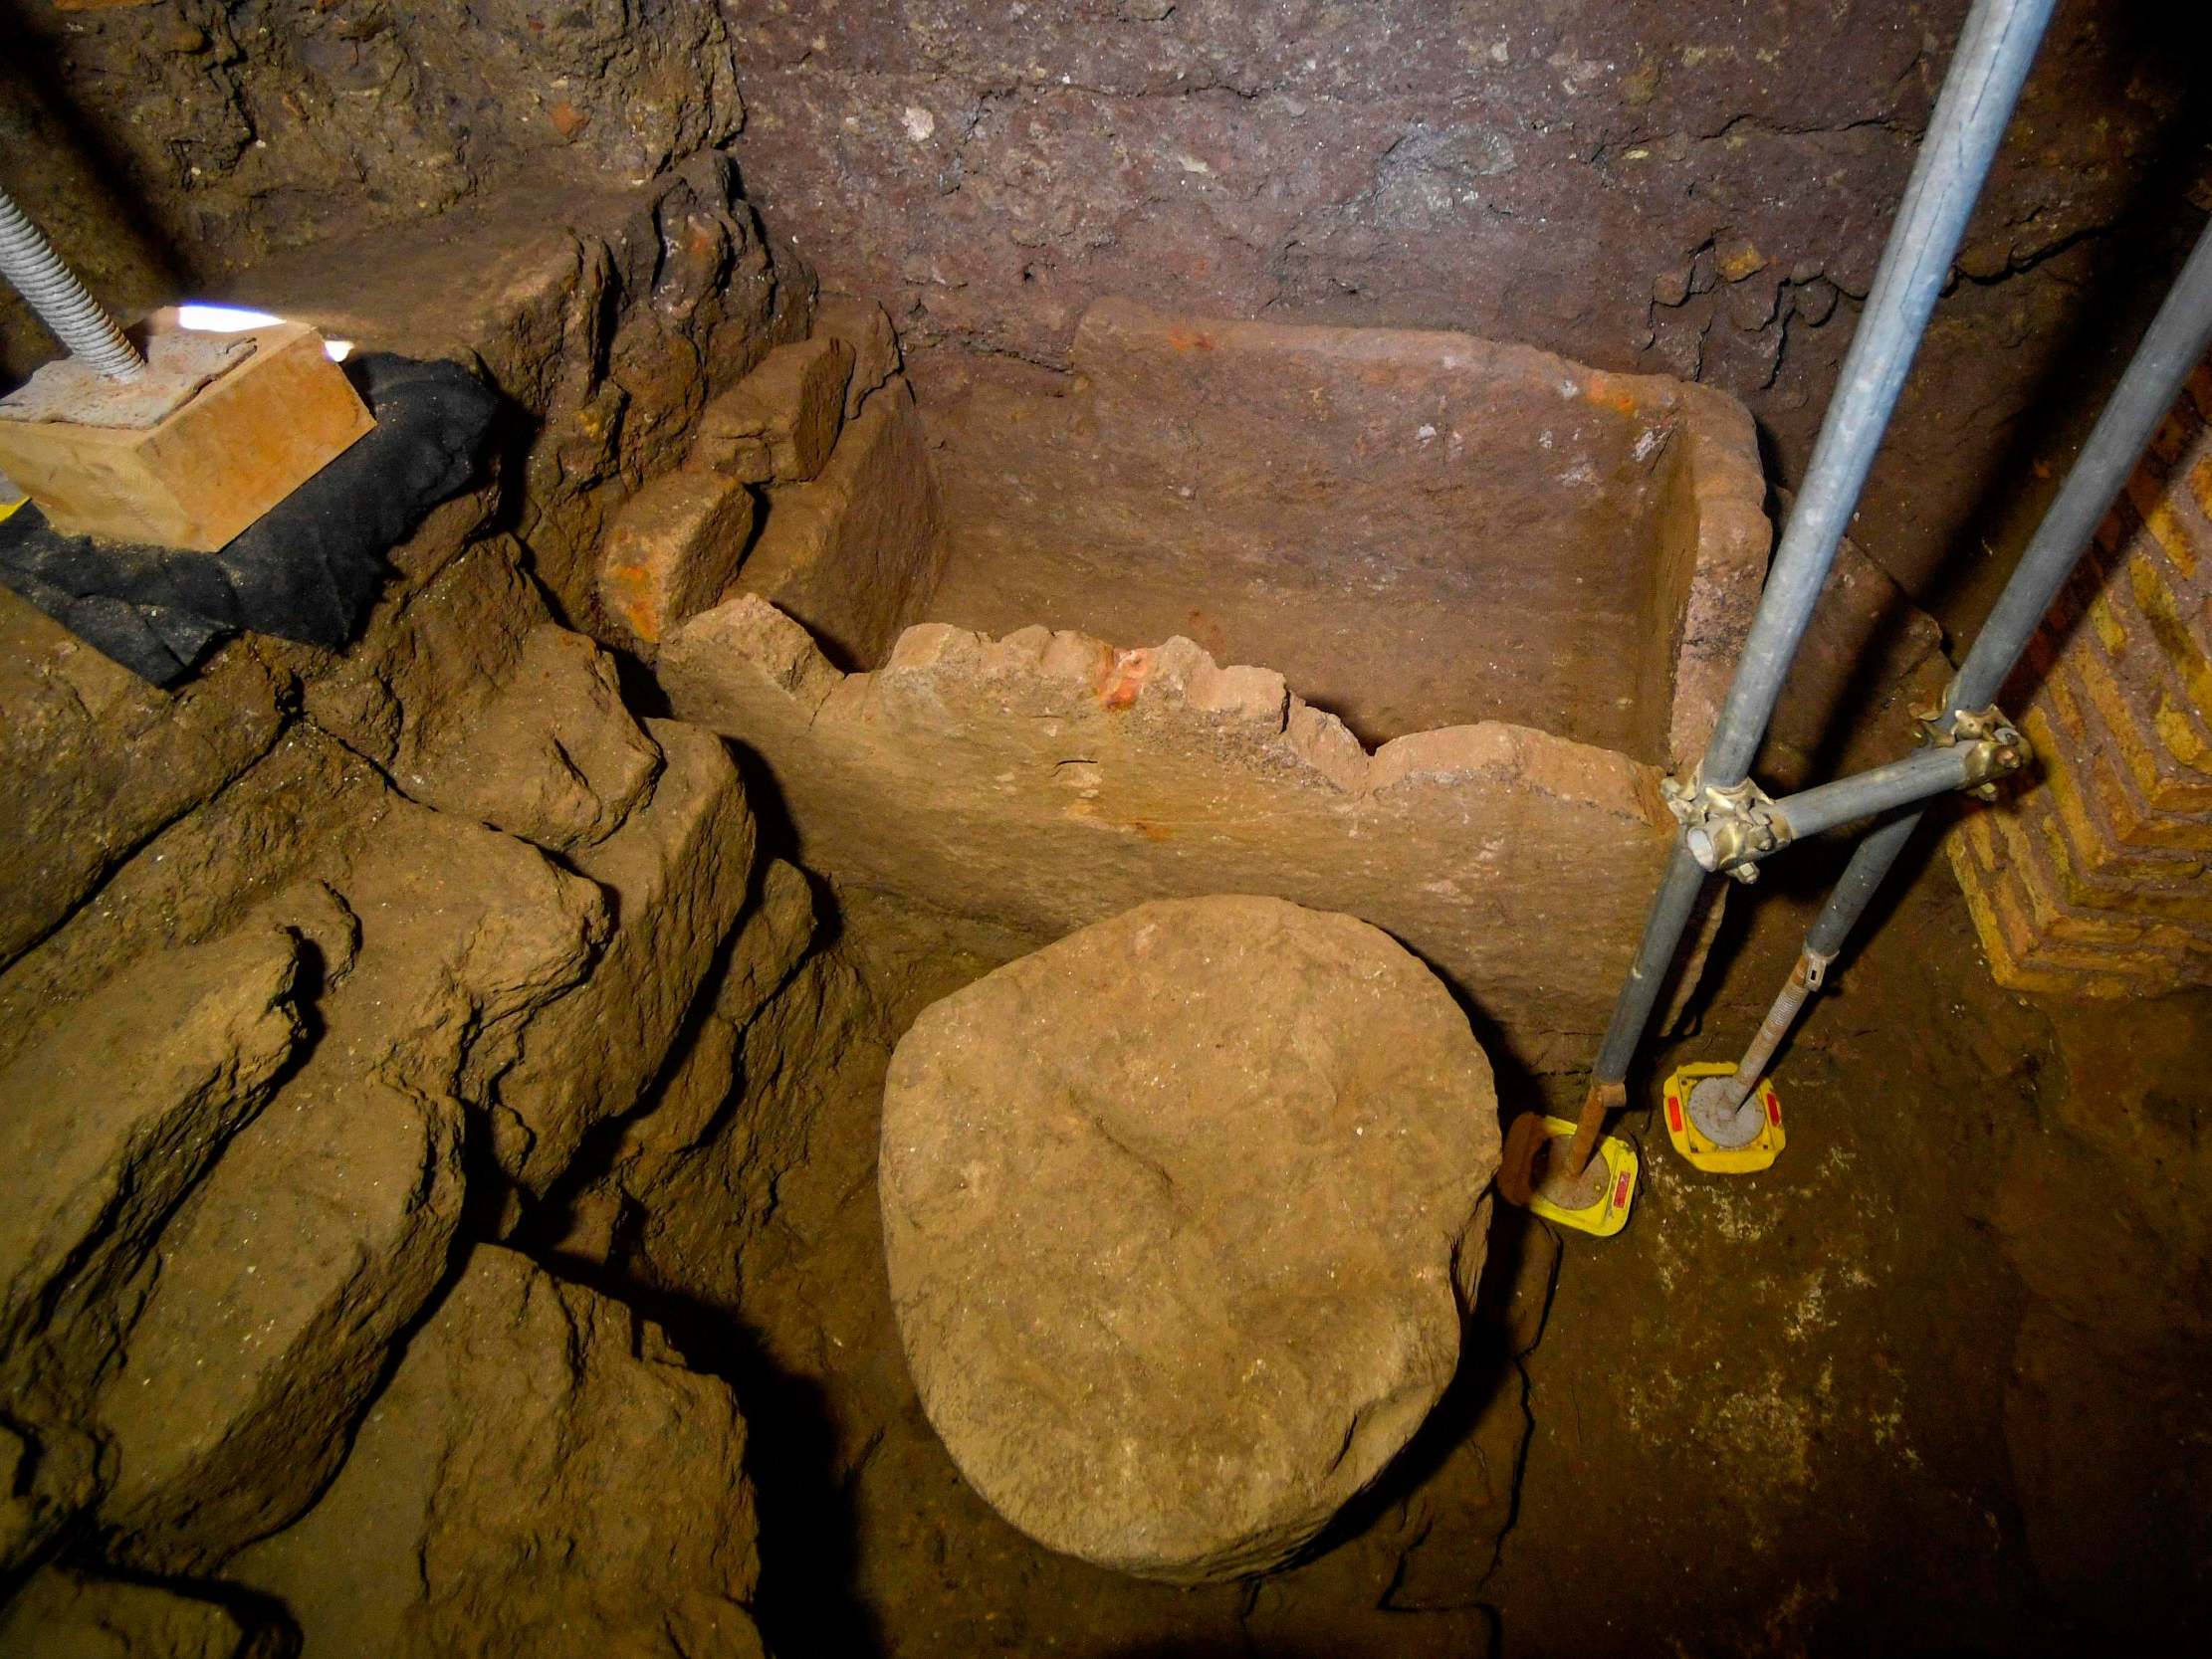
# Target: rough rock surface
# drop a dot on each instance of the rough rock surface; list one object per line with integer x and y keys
{"x": 300, "y": 124}
{"x": 781, "y": 421}
{"x": 854, "y": 554}
{"x": 608, "y": 316}
{"x": 298, "y": 815}
{"x": 1173, "y": 1210}
{"x": 1048, "y": 780}
{"x": 273, "y": 948}
{"x": 326, "y": 1224}
{"x": 550, "y": 753}
{"x": 675, "y": 1202}
{"x": 252, "y": 1294}
{"x": 871, "y": 1539}
{"x": 59, "y": 1614}
{"x": 115, "y": 760}
{"x": 702, "y": 1200}
{"x": 111, "y": 1118}
{"x": 678, "y": 874}
{"x": 865, "y": 327}
{"x": 540, "y": 1477}
{"x": 473, "y": 700}
{"x": 1419, "y": 528}
{"x": 776, "y": 934}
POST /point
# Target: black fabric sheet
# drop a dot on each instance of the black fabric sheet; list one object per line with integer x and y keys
{"x": 308, "y": 569}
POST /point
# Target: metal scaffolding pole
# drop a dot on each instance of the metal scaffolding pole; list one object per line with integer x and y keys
{"x": 2173, "y": 346}
{"x": 1994, "y": 52}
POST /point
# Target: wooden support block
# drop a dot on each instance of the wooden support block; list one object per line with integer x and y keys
{"x": 206, "y": 470}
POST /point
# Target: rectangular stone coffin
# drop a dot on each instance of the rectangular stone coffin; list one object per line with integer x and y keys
{"x": 1418, "y": 528}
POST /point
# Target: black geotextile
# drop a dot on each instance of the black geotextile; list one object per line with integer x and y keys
{"x": 307, "y": 569}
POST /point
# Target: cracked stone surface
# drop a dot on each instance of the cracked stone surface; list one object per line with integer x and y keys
{"x": 114, "y": 1113}
{"x": 675, "y": 877}
{"x": 474, "y": 701}
{"x": 117, "y": 759}
{"x": 329, "y": 1222}
{"x": 692, "y": 1177}
{"x": 1178, "y": 1214}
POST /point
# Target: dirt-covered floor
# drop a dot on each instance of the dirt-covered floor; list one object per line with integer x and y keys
{"x": 1770, "y": 1419}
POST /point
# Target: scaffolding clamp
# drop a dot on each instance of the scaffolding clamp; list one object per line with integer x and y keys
{"x": 1730, "y": 829}
{"x": 1994, "y": 746}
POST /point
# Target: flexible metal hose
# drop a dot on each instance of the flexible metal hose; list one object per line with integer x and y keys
{"x": 29, "y": 260}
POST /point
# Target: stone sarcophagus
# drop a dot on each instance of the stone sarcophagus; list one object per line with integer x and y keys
{"x": 1497, "y": 596}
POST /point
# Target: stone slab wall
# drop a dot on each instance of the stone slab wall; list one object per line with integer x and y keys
{"x": 1046, "y": 780}
{"x": 1418, "y": 528}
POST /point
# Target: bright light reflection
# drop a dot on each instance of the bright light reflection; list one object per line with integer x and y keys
{"x": 221, "y": 320}
{"x": 232, "y": 319}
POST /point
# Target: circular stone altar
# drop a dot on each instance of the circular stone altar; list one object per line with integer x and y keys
{"x": 1180, "y": 1216}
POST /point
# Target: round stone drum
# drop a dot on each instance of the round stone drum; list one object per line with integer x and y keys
{"x": 1181, "y": 1215}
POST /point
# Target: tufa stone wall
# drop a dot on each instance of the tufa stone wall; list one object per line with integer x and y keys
{"x": 1418, "y": 528}
{"x": 1046, "y": 780}
{"x": 331, "y": 970}
{"x": 165, "y": 142}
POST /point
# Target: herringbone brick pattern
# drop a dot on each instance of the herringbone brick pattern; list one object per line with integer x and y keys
{"x": 2094, "y": 876}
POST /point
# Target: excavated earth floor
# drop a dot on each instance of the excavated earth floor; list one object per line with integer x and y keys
{"x": 1770, "y": 1419}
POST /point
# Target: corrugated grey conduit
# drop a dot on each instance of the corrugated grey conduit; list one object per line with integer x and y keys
{"x": 84, "y": 327}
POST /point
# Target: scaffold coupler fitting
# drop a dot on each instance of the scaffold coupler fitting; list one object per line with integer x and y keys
{"x": 1730, "y": 829}
{"x": 1996, "y": 746}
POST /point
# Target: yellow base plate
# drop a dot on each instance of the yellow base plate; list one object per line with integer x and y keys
{"x": 1721, "y": 1160}
{"x": 1611, "y": 1212}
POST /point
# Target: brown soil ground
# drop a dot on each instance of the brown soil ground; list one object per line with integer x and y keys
{"x": 1766, "y": 1419}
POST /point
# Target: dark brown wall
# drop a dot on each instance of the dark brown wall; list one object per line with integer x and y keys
{"x": 1700, "y": 186}
{"x": 163, "y": 142}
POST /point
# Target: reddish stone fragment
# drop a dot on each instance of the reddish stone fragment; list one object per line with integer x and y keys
{"x": 672, "y": 548}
